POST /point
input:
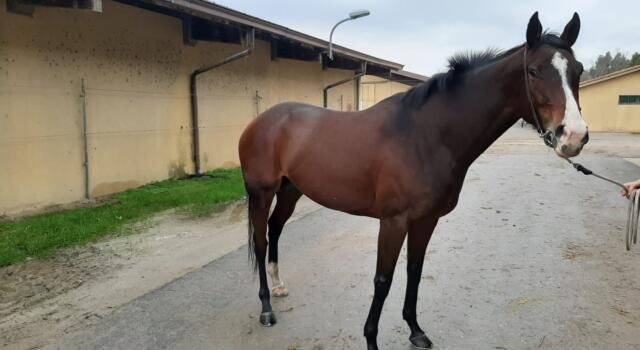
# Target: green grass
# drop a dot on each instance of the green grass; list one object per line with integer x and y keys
{"x": 42, "y": 235}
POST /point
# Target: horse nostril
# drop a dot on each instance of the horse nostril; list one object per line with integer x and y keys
{"x": 559, "y": 130}
{"x": 585, "y": 139}
{"x": 564, "y": 148}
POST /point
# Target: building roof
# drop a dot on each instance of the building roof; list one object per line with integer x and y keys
{"x": 610, "y": 76}
{"x": 407, "y": 77}
{"x": 227, "y": 16}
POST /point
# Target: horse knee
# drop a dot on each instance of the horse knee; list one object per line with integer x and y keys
{"x": 370, "y": 331}
{"x": 381, "y": 285}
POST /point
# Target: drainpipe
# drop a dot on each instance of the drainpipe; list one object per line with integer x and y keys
{"x": 357, "y": 93}
{"x": 325, "y": 92}
{"x": 193, "y": 87}
{"x": 85, "y": 141}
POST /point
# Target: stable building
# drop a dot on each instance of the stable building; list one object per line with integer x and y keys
{"x": 374, "y": 89}
{"x": 611, "y": 102}
{"x": 98, "y": 96}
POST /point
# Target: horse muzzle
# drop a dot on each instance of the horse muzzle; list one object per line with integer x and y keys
{"x": 569, "y": 143}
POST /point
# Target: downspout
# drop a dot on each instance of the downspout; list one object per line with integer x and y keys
{"x": 85, "y": 140}
{"x": 357, "y": 93}
{"x": 325, "y": 92}
{"x": 193, "y": 87}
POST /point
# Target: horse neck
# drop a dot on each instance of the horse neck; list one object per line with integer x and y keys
{"x": 487, "y": 102}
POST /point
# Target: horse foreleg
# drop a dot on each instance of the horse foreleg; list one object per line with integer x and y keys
{"x": 419, "y": 234}
{"x": 390, "y": 239}
{"x": 287, "y": 197}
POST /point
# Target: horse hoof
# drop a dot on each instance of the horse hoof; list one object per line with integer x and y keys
{"x": 280, "y": 292}
{"x": 421, "y": 341}
{"x": 267, "y": 319}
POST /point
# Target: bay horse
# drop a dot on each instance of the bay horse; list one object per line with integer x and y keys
{"x": 404, "y": 160}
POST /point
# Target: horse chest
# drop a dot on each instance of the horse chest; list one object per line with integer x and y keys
{"x": 437, "y": 195}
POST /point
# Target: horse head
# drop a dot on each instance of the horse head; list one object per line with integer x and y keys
{"x": 552, "y": 76}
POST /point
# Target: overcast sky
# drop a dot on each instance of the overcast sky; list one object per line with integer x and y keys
{"x": 422, "y": 34}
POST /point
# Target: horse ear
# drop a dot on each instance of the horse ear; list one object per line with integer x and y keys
{"x": 570, "y": 33}
{"x": 534, "y": 30}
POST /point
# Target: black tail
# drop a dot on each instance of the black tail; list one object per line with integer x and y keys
{"x": 251, "y": 238}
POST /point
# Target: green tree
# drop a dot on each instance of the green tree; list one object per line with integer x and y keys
{"x": 608, "y": 63}
{"x": 618, "y": 62}
{"x": 603, "y": 65}
{"x": 635, "y": 59}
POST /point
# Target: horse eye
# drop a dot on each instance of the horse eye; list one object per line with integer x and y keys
{"x": 534, "y": 71}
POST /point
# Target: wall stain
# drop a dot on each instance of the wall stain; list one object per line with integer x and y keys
{"x": 106, "y": 188}
{"x": 177, "y": 171}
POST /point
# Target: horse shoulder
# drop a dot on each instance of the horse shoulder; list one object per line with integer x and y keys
{"x": 420, "y": 183}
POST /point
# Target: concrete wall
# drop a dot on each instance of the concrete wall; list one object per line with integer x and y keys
{"x": 374, "y": 89}
{"x": 137, "y": 101}
{"x": 600, "y": 107}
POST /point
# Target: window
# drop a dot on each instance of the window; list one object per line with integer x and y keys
{"x": 629, "y": 100}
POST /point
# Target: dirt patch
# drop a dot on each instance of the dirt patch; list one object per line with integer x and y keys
{"x": 41, "y": 300}
{"x": 521, "y": 303}
{"x": 574, "y": 251}
{"x": 38, "y": 298}
{"x": 26, "y": 285}
{"x": 620, "y": 311}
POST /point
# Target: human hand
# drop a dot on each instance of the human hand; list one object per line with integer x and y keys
{"x": 630, "y": 187}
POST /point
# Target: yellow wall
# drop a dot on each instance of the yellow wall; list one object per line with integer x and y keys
{"x": 137, "y": 101}
{"x": 600, "y": 107}
{"x": 227, "y": 98}
{"x": 374, "y": 89}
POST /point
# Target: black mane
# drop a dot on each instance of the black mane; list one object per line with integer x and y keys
{"x": 463, "y": 62}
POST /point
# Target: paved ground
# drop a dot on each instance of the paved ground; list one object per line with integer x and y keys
{"x": 532, "y": 258}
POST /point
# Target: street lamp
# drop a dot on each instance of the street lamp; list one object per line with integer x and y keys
{"x": 353, "y": 15}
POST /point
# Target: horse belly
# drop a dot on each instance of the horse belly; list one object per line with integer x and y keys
{"x": 330, "y": 157}
{"x": 336, "y": 187}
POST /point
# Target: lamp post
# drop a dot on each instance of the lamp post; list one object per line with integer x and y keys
{"x": 353, "y": 15}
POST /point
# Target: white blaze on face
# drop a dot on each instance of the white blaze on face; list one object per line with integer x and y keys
{"x": 574, "y": 126}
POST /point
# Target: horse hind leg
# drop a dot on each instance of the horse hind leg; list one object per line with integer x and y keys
{"x": 286, "y": 199}
{"x": 260, "y": 198}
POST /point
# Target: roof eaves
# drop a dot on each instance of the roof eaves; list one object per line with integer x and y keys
{"x": 610, "y": 76}
{"x": 227, "y": 14}
{"x": 411, "y": 75}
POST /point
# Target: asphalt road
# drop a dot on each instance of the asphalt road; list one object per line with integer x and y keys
{"x": 532, "y": 258}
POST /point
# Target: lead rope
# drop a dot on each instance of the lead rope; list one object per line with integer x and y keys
{"x": 631, "y": 235}
{"x": 633, "y": 211}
